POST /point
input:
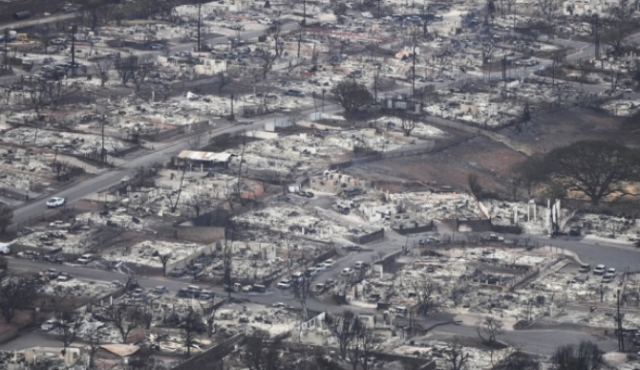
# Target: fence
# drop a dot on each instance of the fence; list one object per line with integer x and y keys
{"x": 164, "y": 135}
{"x": 403, "y": 152}
{"x": 368, "y": 238}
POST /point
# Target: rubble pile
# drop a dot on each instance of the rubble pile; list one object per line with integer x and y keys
{"x": 235, "y": 318}
{"x": 291, "y": 220}
{"x": 53, "y": 239}
{"x": 529, "y": 216}
{"x": 77, "y": 288}
{"x": 63, "y": 142}
{"x": 601, "y": 225}
{"x": 147, "y": 252}
{"x": 421, "y": 129}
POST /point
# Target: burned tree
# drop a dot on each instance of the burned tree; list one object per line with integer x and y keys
{"x": 456, "y": 358}
{"x": 618, "y": 24}
{"x": 125, "y": 319}
{"x": 103, "y": 67}
{"x": 69, "y": 323}
{"x": 368, "y": 341}
{"x": 345, "y": 329}
{"x": 15, "y": 291}
{"x": 352, "y": 95}
{"x": 408, "y": 123}
{"x": 425, "y": 290}
{"x": 164, "y": 259}
{"x": 517, "y": 360}
{"x": 208, "y": 308}
{"x": 126, "y": 68}
{"x": 489, "y": 329}
{"x": 584, "y": 356}
{"x": 261, "y": 352}
{"x": 227, "y": 258}
{"x": 301, "y": 288}
{"x": 191, "y": 325}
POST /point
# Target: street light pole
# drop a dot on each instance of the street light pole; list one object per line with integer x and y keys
{"x": 74, "y": 29}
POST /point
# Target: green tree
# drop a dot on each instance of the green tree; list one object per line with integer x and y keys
{"x": 596, "y": 168}
{"x": 352, "y": 95}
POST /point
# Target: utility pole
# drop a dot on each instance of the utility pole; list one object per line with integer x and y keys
{"x": 323, "y": 91}
{"x": 596, "y": 34}
{"x": 413, "y": 79}
{"x": 102, "y": 153}
{"x": 5, "y": 64}
{"x": 619, "y": 324}
{"x": 304, "y": 13}
{"x": 199, "y": 26}
{"x": 74, "y": 29}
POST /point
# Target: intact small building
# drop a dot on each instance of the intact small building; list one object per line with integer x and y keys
{"x": 202, "y": 160}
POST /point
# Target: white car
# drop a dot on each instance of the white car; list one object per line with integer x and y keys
{"x": 284, "y": 284}
{"x": 321, "y": 267}
{"x": 59, "y": 225}
{"x": 56, "y": 202}
{"x": 85, "y": 259}
{"x": 346, "y": 271}
{"x": 599, "y": 270}
{"x": 49, "y": 325}
{"x": 329, "y": 263}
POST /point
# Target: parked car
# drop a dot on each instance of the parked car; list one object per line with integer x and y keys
{"x": 85, "y": 259}
{"x": 608, "y": 277}
{"x": 49, "y": 325}
{"x": 311, "y": 271}
{"x": 297, "y": 276}
{"x": 585, "y": 267}
{"x": 575, "y": 231}
{"x": 178, "y": 272}
{"x": 156, "y": 46}
{"x": 284, "y": 284}
{"x": 63, "y": 276}
{"x": 599, "y": 270}
{"x": 205, "y": 294}
{"x": 51, "y": 273}
{"x": 321, "y": 267}
{"x": 160, "y": 290}
{"x": 59, "y": 225}
{"x": 56, "y": 202}
{"x": 329, "y": 263}
{"x": 352, "y": 248}
{"x": 347, "y": 271}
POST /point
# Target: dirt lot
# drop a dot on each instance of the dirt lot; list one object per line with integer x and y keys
{"x": 567, "y": 126}
{"x": 489, "y": 160}
{"x": 492, "y": 161}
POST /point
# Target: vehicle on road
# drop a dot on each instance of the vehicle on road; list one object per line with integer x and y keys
{"x": 585, "y": 267}
{"x": 352, "y": 248}
{"x": 321, "y": 267}
{"x": 85, "y": 259}
{"x": 599, "y": 270}
{"x": 56, "y": 202}
{"x": 284, "y": 284}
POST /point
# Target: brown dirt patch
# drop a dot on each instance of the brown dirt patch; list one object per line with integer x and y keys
{"x": 491, "y": 161}
{"x": 567, "y": 126}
